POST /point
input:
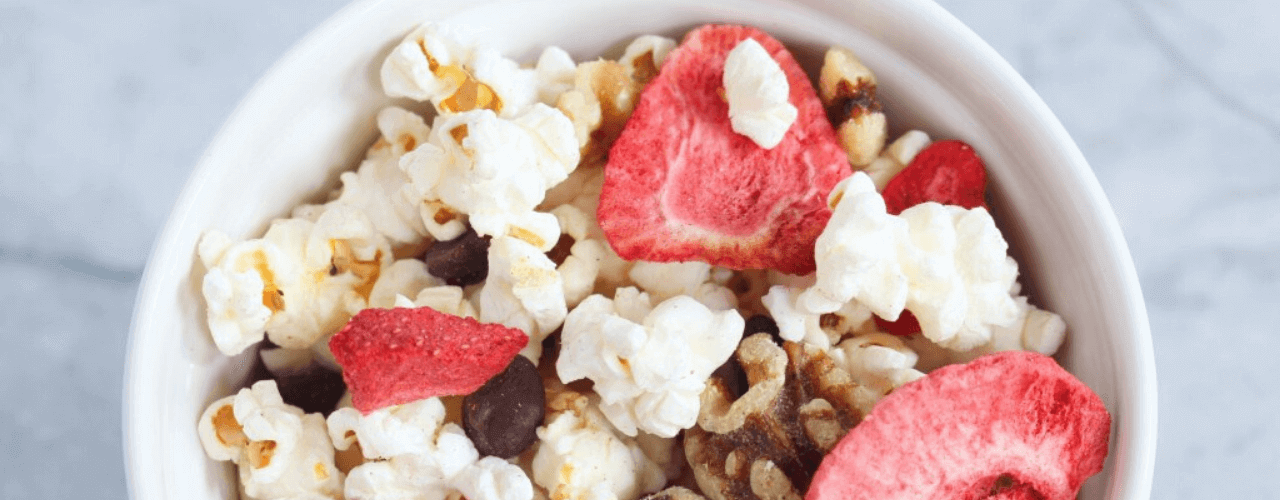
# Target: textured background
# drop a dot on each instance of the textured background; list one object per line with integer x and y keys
{"x": 105, "y": 107}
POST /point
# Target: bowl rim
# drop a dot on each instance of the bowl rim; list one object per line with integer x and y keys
{"x": 1137, "y": 380}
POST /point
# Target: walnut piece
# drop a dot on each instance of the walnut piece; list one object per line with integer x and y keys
{"x": 768, "y": 443}
{"x": 848, "y": 90}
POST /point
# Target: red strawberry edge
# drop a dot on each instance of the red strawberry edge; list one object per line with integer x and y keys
{"x": 948, "y": 172}
{"x": 681, "y": 185}
{"x": 1007, "y": 425}
{"x": 396, "y": 356}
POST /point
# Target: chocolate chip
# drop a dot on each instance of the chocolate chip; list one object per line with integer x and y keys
{"x": 562, "y": 250}
{"x": 502, "y": 417}
{"x": 461, "y": 261}
{"x": 762, "y": 324}
{"x": 315, "y": 390}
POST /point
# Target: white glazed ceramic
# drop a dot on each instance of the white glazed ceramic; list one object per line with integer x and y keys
{"x": 312, "y": 115}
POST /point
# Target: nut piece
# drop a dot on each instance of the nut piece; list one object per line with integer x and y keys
{"x": 675, "y": 493}
{"x": 603, "y": 97}
{"x": 848, "y": 90}
{"x": 768, "y": 443}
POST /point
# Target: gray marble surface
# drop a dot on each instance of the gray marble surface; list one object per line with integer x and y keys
{"x": 105, "y": 107}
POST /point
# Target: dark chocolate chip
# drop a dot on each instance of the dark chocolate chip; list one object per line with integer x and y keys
{"x": 502, "y": 417}
{"x": 562, "y": 250}
{"x": 315, "y": 390}
{"x": 762, "y": 324}
{"x": 462, "y": 261}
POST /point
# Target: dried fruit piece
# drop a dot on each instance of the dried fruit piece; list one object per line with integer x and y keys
{"x": 394, "y": 356}
{"x": 681, "y": 185}
{"x": 947, "y": 172}
{"x": 1008, "y": 425}
{"x": 906, "y": 325}
{"x": 502, "y": 417}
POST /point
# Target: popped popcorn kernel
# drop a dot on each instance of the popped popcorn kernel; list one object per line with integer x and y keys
{"x": 414, "y": 453}
{"x": 603, "y": 97}
{"x": 948, "y": 265}
{"x": 494, "y": 170}
{"x": 649, "y": 365}
{"x": 644, "y": 56}
{"x": 523, "y": 291}
{"x": 896, "y": 157}
{"x": 758, "y": 94}
{"x": 301, "y": 281}
{"x": 582, "y": 457}
{"x": 444, "y": 66}
{"x": 281, "y": 452}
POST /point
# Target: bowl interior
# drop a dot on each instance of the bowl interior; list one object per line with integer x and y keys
{"x": 312, "y": 116}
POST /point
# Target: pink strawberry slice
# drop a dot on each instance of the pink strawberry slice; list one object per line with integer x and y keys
{"x": 396, "y": 356}
{"x": 681, "y": 185}
{"x": 1006, "y": 425}
{"x": 947, "y": 172}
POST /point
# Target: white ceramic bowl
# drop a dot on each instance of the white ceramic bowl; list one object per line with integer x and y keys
{"x": 312, "y": 115}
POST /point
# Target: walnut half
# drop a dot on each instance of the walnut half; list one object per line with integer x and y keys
{"x": 768, "y": 443}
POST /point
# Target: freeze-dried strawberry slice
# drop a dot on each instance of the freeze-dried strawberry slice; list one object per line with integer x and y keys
{"x": 681, "y": 185}
{"x": 395, "y": 356}
{"x": 905, "y": 326}
{"x": 948, "y": 172}
{"x": 1007, "y": 425}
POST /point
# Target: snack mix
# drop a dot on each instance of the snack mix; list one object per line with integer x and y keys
{"x": 690, "y": 272}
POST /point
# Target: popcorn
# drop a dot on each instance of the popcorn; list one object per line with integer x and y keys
{"x": 896, "y": 157}
{"x": 282, "y": 452}
{"x": 602, "y": 98}
{"x": 649, "y": 365}
{"x": 758, "y": 92}
{"x": 397, "y": 430}
{"x": 379, "y": 189}
{"x": 880, "y": 361}
{"x": 442, "y": 65}
{"x": 404, "y": 277}
{"x": 446, "y": 299}
{"x": 798, "y": 324}
{"x": 582, "y": 458}
{"x": 664, "y": 280}
{"x": 580, "y": 267}
{"x": 555, "y": 72}
{"x": 300, "y": 281}
{"x": 1034, "y": 330}
{"x": 794, "y": 323}
{"x": 426, "y": 65}
{"x": 644, "y": 56}
{"x": 962, "y": 276}
{"x": 523, "y": 291}
{"x": 516, "y": 88}
{"x": 493, "y": 478}
{"x": 416, "y": 455}
{"x": 496, "y": 170}
{"x": 948, "y": 265}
